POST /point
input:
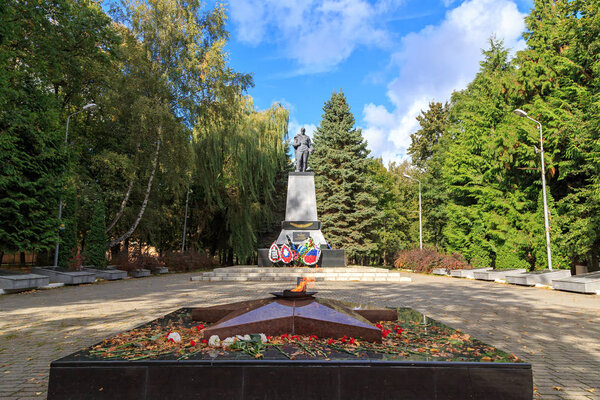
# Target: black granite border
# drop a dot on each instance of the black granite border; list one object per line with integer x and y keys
{"x": 288, "y": 379}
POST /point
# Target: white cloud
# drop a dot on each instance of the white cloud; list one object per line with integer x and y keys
{"x": 294, "y": 128}
{"x": 317, "y": 34}
{"x": 433, "y": 63}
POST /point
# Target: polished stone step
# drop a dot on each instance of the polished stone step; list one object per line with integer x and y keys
{"x": 275, "y": 274}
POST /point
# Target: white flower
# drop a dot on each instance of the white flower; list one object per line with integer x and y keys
{"x": 263, "y": 338}
{"x": 214, "y": 341}
{"x": 228, "y": 342}
{"x": 247, "y": 338}
{"x": 239, "y": 337}
{"x": 175, "y": 336}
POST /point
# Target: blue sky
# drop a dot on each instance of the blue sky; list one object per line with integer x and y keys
{"x": 390, "y": 57}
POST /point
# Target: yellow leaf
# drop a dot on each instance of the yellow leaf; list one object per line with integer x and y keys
{"x": 470, "y": 349}
{"x": 558, "y": 388}
{"x": 486, "y": 359}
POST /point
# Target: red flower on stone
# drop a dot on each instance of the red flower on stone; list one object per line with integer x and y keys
{"x": 199, "y": 327}
{"x": 331, "y": 341}
{"x": 379, "y": 325}
{"x": 192, "y": 343}
{"x": 204, "y": 341}
{"x": 385, "y": 332}
{"x": 351, "y": 341}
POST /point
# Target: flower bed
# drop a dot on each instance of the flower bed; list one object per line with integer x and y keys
{"x": 408, "y": 338}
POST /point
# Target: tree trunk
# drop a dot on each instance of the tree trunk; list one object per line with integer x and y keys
{"x": 22, "y": 258}
{"x": 145, "y": 202}
{"x": 126, "y": 198}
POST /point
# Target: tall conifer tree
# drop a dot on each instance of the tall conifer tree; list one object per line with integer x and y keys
{"x": 95, "y": 251}
{"x": 344, "y": 185}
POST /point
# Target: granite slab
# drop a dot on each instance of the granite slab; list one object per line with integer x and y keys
{"x": 11, "y": 281}
{"x": 66, "y": 277}
{"x": 585, "y": 283}
{"x": 139, "y": 273}
{"x": 107, "y": 274}
{"x": 497, "y": 274}
{"x": 467, "y": 273}
{"x": 543, "y": 277}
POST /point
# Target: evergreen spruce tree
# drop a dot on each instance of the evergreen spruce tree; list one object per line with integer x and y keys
{"x": 68, "y": 233}
{"x": 344, "y": 185}
{"x": 95, "y": 249}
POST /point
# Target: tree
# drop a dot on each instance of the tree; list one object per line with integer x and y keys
{"x": 50, "y": 55}
{"x": 243, "y": 155}
{"x": 344, "y": 184}
{"x": 95, "y": 249}
{"x": 69, "y": 240}
{"x": 433, "y": 124}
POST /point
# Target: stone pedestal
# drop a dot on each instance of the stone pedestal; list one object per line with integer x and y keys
{"x": 301, "y": 221}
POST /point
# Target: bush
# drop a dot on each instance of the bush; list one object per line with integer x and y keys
{"x": 188, "y": 261}
{"x": 126, "y": 262}
{"x": 427, "y": 259}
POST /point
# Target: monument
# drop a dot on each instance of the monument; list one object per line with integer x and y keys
{"x": 301, "y": 220}
{"x": 303, "y": 147}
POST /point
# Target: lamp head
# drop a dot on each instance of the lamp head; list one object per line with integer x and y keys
{"x": 90, "y": 106}
{"x": 520, "y": 112}
{"x": 407, "y": 176}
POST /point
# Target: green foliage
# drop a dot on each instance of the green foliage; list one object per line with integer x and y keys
{"x": 433, "y": 124}
{"x": 95, "y": 244}
{"x": 69, "y": 241}
{"x": 343, "y": 182}
{"x": 243, "y": 155}
{"x": 52, "y": 55}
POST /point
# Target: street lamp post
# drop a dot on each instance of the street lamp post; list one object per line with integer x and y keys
{"x": 187, "y": 199}
{"x": 523, "y": 114}
{"x": 87, "y": 107}
{"x": 420, "y": 214}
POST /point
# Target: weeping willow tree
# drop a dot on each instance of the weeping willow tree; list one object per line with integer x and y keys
{"x": 241, "y": 156}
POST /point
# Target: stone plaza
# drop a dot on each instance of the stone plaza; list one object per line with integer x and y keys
{"x": 557, "y": 332}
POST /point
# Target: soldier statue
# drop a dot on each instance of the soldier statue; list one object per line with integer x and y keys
{"x": 303, "y": 147}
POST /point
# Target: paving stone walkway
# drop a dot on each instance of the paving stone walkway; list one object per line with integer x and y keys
{"x": 558, "y": 332}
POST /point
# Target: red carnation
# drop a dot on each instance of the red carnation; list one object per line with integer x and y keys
{"x": 379, "y": 325}
{"x": 351, "y": 341}
{"x": 204, "y": 341}
{"x": 192, "y": 343}
{"x": 295, "y": 337}
{"x": 199, "y": 327}
{"x": 331, "y": 341}
{"x": 385, "y": 332}
{"x": 285, "y": 336}
{"x": 312, "y": 337}
{"x": 398, "y": 329}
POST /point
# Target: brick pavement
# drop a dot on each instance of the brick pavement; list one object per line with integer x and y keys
{"x": 559, "y": 333}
